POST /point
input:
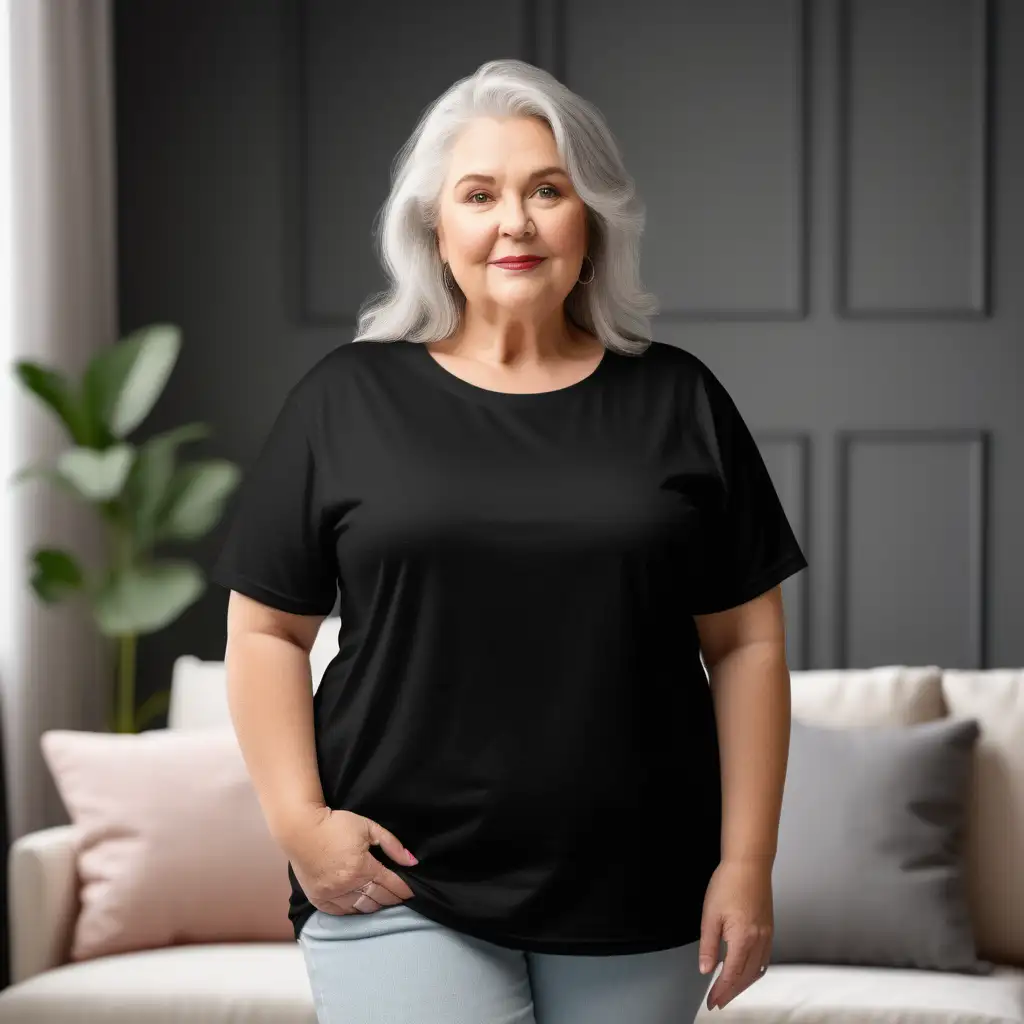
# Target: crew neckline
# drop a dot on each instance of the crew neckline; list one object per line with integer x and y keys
{"x": 460, "y": 386}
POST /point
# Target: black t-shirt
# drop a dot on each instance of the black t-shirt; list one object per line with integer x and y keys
{"x": 518, "y": 693}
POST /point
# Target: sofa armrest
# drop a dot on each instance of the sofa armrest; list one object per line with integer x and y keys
{"x": 43, "y": 899}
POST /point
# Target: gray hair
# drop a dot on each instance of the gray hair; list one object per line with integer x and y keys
{"x": 418, "y": 306}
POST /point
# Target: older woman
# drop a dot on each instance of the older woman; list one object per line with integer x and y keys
{"x": 539, "y": 520}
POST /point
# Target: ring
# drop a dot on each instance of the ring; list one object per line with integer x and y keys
{"x": 762, "y": 969}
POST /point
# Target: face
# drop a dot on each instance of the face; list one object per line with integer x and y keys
{"x": 511, "y": 210}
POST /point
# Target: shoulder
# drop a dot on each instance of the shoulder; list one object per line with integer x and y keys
{"x": 663, "y": 360}
{"x": 663, "y": 353}
{"x": 350, "y": 362}
{"x": 342, "y": 361}
{"x": 314, "y": 402}
{"x": 703, "y": 400}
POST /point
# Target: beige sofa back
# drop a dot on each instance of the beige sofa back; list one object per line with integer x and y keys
{"x": 996, "y": 831}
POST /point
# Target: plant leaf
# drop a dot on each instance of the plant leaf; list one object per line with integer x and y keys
{"x": 123, "y": 382}
{"x": 97, "y": 476}
{"x": 196, "y": 498}
{"x": 149, "y": 481}
{"x": 56, "y": 392}
{"x": 56, "y": 574}
{"x": 40, "y": 471}
{"x": 36, "y": 471}
{"x": 102, "y": 382}
{"x": 146, "y": 598}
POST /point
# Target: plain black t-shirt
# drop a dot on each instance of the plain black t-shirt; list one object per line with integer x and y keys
{"x": 518, "y": 693}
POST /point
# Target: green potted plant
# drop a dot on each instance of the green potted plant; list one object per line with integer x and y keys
{"x": 142, "y": 494}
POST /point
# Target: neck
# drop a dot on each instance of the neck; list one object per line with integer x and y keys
{"x": 509, "y": 340}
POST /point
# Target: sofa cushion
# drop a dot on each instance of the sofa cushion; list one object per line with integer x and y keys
{"x": 820, "y": 994}
{"x": 995, "y": 864}
{"x": 171, "y": 843}
{"x": 258, "y": 983}
{"x": 888, "y": 695}
{"x": 870, "y": 867}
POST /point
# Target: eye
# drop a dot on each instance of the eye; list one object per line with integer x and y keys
{"x": 550, "y": 188}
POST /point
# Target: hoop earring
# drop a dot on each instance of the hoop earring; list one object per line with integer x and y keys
{"x": 593, "y": 271}
{"x": 446, "y": 274}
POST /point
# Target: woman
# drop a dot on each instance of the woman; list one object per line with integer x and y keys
{"x": 539, "y": 519}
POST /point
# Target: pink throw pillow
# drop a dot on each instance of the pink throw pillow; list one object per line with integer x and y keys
{"x": 172, "y": 846}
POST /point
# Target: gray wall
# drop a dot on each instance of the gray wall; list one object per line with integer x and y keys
{"x": 835, "y": 199}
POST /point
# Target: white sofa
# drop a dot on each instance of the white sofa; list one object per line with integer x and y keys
{"x": 254, "y": 982}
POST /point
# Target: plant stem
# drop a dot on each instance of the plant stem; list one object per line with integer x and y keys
{"x": 126, "y": 683}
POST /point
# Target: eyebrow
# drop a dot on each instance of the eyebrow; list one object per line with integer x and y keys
{"x": 490, "y": 180}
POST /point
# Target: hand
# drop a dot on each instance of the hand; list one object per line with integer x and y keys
{"x": 737, "y": 908}
{"x": 330, "y": 854}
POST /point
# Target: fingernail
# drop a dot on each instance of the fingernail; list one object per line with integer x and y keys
{"x": 412, "y": 859}
{"x": 705, "y": 965}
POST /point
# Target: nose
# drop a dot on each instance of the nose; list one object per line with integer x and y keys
{"x": 513, "y": 217}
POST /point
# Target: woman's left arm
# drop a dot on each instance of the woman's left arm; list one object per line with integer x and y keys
{"x": 744, "y": 649}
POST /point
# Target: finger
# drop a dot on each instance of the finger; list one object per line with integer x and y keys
{"x": 370, "y": 895}
{"x": 760, "y": 953}
{"x": 336, "y": 908}
{"x": 342, "y": 903}
{"x": 367, "y": 899}
{"x": 382, "y": 892}
{"x": 384, "y": 889}
{"x": 388, "y": 842}
{"x": 387, "y": 879}
{"x": 761, "y": 957}
{"x": 710, "y": 943}
{"x": 737, "y": 956}
{"x": 764, "y": 956}
{"x": 751, "y": 973}
{"x": 730, "y": 981}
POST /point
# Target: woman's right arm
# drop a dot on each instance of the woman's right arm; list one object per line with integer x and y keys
{"x": 270, "y": 699}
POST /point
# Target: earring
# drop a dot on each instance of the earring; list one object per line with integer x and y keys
{"x": 593, "y": 271}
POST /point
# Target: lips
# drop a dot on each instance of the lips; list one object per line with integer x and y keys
{"x": 519, "y": 263}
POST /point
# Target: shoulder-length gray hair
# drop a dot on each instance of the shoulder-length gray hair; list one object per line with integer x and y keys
{"x": 418, "y": 306}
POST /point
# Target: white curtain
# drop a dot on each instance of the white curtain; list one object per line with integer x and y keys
{"x": 60, "y": 307}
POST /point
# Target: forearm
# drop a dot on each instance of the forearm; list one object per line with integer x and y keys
{"x": 270, "y": 697}
{"x": 751, "y": 692}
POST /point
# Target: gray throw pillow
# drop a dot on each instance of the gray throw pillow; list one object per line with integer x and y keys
{"x": 870, "y": 867}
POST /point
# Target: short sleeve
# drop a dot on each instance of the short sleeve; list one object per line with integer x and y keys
{"x": 278, "y": 549}
{"x": 747, "y": 545}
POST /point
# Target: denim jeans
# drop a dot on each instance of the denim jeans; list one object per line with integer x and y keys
{"x": 395, "y": 966}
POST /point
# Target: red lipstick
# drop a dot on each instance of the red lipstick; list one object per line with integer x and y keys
{"x": 524, "y": 262}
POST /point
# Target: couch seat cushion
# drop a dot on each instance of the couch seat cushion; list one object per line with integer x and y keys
{"x": 230, "y": 983}
{"x": 822, "y": 994}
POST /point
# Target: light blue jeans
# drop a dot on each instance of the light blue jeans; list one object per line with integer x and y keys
{"x": 396, "y": 966}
